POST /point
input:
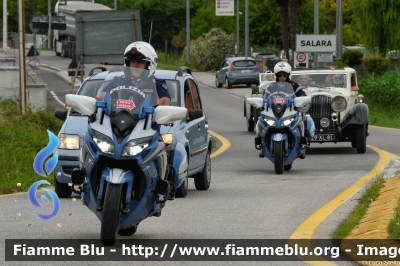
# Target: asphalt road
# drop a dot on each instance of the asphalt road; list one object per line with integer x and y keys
{"x": 246, "y": 200}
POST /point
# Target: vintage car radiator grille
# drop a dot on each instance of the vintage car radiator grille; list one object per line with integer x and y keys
{"x": 320, "y": 108}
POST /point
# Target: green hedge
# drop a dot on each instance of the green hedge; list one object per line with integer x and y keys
{"x": 383, "y": 90}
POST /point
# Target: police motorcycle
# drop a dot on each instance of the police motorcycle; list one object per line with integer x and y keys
{"x": 123, "y": 176}
{"x": 283, "y": 129}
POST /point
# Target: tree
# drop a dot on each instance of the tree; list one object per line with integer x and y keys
{"x": 377, "y": 21}
{"x": 208, "y": 50}
{"x": 283, "y": 12}
{"x": 294, "y": 7}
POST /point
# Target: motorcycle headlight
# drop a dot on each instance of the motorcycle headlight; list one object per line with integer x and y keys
{"x": 167, "y": 138}
{"x": 68, "y": 142}
{"x": 136, "y": 146}
{"x": 339, "y": 103}
{"x": 287, "y": 121}
{"x": 104, "y": 143}
{"x": 270, "y": 121}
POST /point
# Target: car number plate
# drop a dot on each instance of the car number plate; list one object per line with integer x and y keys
{"x": 324, "y": 137}
{"x": 245, "y": 71}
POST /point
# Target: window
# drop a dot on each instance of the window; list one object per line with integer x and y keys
{"x": 173, "y": 86}
{"x": 195, "y": 93}
{"x": 244, "y": 63}
{"x": 91, "y": 87}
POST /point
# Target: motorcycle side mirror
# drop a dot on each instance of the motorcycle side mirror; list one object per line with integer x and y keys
{"x": 82, "y": 104}
{"x": 61, "y": 114}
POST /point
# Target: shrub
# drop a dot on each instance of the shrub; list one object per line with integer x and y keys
{"x": 352, "y": 57}
{"x": 382, "y": 90}
{"x": 376, "y": 64}
{"x": 208, "y": 50}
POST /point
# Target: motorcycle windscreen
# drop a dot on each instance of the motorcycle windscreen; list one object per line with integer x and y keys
{"x": 279, "y": 87}
{"x": 279, "y": 93}
{"x": 125, "y": 91}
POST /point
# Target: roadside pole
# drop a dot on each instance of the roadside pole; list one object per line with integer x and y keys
{"x": 5, "y": 39}
{"x": 316, "y": 29}
{"x": 22, "y": 65}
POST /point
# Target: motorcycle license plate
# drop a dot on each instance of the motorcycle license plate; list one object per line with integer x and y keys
{"x": 324, "y": 137}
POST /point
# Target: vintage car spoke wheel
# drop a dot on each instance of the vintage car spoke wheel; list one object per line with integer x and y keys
{"x": 288, "y": 167}
{"x": 182, "y": 190}
{"x": 361, "y": 139}
{"x": 202, "y": 180}
{"x": 111, "y": 214}
{"x": 217, "y": 84}
{"x": 63, "y": 190}
{"x": 227, "y": 84}
{"x": 250, "y": 124}
{"x": 128, "y": 231}
{"x": 278, "y": 157}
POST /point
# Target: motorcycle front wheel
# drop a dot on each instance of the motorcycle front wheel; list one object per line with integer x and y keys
{"x": 278, "y": 157}
{"x": 111, "y": 214}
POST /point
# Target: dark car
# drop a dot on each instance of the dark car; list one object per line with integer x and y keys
{"x": 237, "y": 70}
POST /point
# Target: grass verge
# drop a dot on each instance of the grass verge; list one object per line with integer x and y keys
{"x": 172, "y": 62}
{"x": 394, "y": 224}
{"x": 371, "y": 193}
{"x": 380, "y": 116}
{"x": 22, "y": 137}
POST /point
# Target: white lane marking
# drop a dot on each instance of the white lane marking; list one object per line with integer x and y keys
{"x": 56, "y": 98}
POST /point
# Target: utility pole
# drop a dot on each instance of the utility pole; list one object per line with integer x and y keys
{"x": 316, "y": 28}
{"x": 5, "y": 39}
{"x": 22, "y": 66}
{"x": 339, "y": 29}
{"x": 49, "y": 33}
{"x": 237, "y": 28}
{"x": 187, "y": 30}
{"x": 246, "y": 30}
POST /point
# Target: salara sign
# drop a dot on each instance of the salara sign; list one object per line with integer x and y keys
{"x": 315, "y": 43}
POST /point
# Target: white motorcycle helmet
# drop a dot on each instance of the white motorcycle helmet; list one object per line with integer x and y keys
{"x": 283, "y": 67}
{"x": 142, "y": 51}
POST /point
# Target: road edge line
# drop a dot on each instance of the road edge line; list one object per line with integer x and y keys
{"x": 307, "y": 228}
{"x": 225, "y": 144}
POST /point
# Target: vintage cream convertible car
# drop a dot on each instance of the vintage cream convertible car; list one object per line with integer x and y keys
{"x": 337, "y": 108}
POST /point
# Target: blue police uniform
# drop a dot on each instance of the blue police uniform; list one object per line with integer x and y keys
{"x": 162, "y": 89}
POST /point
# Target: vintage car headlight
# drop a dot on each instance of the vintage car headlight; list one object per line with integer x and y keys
{"x": 136, "y": 146}
{"x": 167, "y": 138}
{"x": 360, "y": 98}
{"x": 104, "y": 143}
{"x": 339, "y": 103}
{"x": 68, "y": 142}
{"x": 287, "y": 121}
{"x": 324, "y": 122}
{"x": 270, "y": 121}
